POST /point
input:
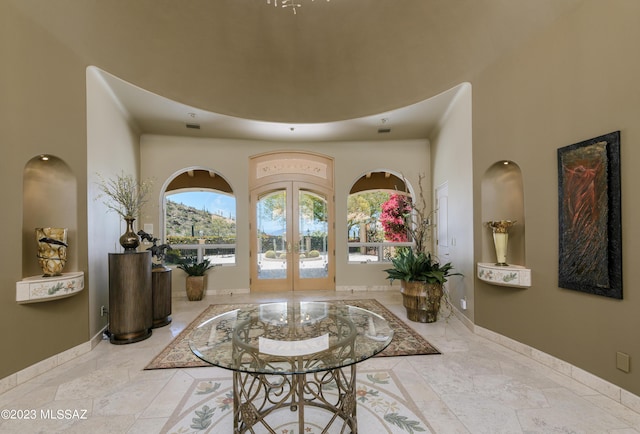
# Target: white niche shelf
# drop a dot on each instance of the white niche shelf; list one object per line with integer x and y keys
{"x": 504, "y": 275}
{"x": 37, "y": 289}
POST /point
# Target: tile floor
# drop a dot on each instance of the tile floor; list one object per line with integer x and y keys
{"x": 475, "y": 386}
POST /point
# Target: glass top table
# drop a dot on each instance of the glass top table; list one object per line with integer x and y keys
{"x": 311, "y": 348}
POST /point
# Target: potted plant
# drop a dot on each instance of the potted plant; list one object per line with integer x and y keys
{"x": 421, "y": 275}
{"x": 421, "y": 280}
{"x": 196, "y": 278}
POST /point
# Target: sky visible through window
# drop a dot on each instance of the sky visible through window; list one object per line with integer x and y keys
{"x": 214, "y": 203}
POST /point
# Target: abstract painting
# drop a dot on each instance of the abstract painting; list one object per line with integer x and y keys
{"x": 590, "y": 232}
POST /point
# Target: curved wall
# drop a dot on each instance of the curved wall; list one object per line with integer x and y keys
{"x": 545, "y": 96}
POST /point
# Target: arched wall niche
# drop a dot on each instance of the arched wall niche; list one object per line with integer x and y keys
{"x": 49, "y": 199}
{"x": 503, "y": 199}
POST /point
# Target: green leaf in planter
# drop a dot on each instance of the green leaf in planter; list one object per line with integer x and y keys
{"x": 196, "y": 269}
{"x": 409, "y": 266}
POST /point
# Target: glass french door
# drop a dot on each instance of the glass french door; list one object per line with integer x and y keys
{"x": 292, "y": 237}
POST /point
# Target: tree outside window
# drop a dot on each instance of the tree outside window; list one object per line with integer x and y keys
{"x": 375, "y": 221}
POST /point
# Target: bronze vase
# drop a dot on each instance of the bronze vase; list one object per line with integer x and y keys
{"x": 129, "y": 240}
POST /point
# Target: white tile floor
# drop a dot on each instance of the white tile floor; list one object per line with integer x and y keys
{"x": 475, "y": 386}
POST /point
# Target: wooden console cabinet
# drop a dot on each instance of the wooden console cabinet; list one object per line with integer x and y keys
{"x": 130, "y": 297}
{"x": 161, "y": 287}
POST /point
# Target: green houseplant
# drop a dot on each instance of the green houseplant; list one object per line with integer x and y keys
{"x": 196, "y": 277}
{"x": 422, "y": 280}
{"x": 421, "y": 275}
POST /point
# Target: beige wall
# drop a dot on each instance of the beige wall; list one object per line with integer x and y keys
{"x": 577, "y": 81}
{"x": 41, "y": 111}
{"x": 112, "y": 149}
{"x": 163, "y": 157}
{"x": 452, "y": 164}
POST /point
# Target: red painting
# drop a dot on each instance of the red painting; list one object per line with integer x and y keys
{"x": 589, "y": 214}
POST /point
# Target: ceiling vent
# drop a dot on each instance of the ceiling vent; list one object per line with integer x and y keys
{"x": 193, "y": 126}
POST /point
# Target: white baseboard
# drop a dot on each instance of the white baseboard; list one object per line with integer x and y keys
{"x": 183, "y": 294}
{"x": 227, "y": 291}
{"x": 355, "y": 288}
{"x": 594, "y": 382}
{"x": 95, "y": 340}
{"x": 45, "y": 365}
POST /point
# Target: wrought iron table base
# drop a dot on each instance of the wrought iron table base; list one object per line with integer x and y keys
{"x": 257, "y": 396}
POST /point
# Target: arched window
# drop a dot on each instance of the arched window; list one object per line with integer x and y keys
{"x": 375, "y": 207}
{"x": 200, "y": 218}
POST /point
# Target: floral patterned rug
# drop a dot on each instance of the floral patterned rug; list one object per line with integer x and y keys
{"x": 383, "y": 406}
{"x": 405, "y": 341}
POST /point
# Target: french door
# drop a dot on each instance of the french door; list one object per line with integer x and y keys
{"x": 292, "y": 241}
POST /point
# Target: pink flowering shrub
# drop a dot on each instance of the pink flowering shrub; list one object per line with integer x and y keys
{"x": 394, "y": 214}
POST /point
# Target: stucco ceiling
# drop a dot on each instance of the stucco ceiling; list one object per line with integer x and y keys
{"x": 329, "y": 63}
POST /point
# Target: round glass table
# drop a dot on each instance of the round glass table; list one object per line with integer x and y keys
{"x": 290, "y": 355}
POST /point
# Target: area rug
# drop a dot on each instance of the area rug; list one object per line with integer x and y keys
{"x": 384, "y": 406}
{"x": 406, "y": 341}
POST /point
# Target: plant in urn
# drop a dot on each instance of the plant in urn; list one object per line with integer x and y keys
{"x": 500, "y": 238}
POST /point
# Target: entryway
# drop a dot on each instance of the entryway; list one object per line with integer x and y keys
{"x": 292, "y": 222}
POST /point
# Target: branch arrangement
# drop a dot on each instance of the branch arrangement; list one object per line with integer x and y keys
{"x": 124, "y": 194}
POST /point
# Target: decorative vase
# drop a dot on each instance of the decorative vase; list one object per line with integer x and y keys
{"x": 421, "y": 300}
{"x": 52, "y": 250}
{"x": 500, "y": 239}
{"x": 195, "y": 287}
{"x": 129, "y": 240}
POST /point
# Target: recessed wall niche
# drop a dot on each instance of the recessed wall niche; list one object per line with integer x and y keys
{"x": 503, "y": 199}
{"x": 49, "y": 199}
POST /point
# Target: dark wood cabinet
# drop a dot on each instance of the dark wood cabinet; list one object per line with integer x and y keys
{"x": 130, "y": 297}
{"x": 161, "y": 287}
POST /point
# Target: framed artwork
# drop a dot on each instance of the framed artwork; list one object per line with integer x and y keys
{"x": 590, "y": 232}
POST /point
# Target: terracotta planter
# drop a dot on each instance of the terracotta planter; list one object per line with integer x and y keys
{"x": 195, "y": 287}
{"x": 422, "y": 300}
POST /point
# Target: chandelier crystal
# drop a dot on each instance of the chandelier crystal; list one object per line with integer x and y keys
{"x": 293, "y": 4}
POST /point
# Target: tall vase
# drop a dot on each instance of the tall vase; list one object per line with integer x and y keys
{"x": 500, "y": 239}
{"x": 52, "y": 250}
{"x": 129, "y": 240}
